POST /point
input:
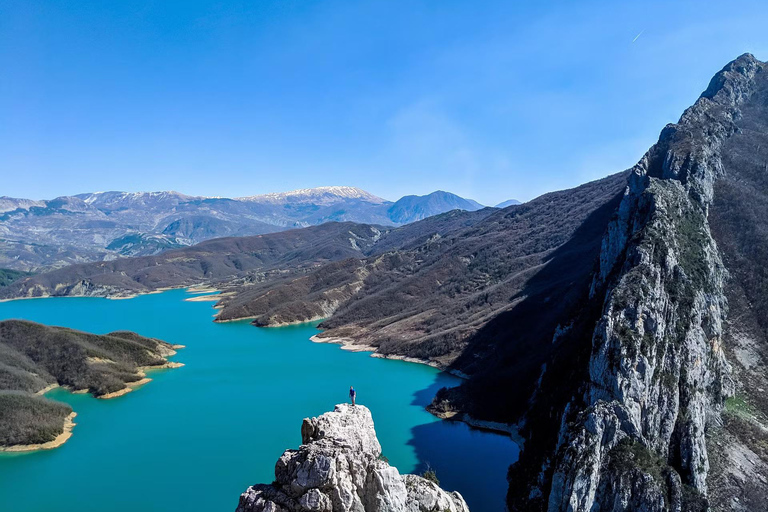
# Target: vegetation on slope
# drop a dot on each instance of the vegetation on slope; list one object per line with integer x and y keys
{"x": 34, "y": 356}
{"x": 222, "y": 259}
{"x": 430, "y": 289}
{"x": 8, "y": 276}
{"x": 29, "y": 419}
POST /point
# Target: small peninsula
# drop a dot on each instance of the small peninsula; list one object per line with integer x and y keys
{"x": 35, "y": 358}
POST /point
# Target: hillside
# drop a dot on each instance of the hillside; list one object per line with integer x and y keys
{"x": 41, "y": 235}
{"x": 8, "y": 276}
{"x": 34, "y": 357}
{"x": 738, "y": 218}
{"x": 313, "y": 295}
{"x": 412, "y": 208}
{"x": 433, "y": 300}
{"x": 239, "y": 260}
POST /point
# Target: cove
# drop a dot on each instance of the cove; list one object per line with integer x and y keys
{"x": 195, "y": 437}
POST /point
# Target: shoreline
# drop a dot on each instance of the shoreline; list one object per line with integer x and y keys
{"x": 130, "y": 386}
{"x": 47, "y": 388}
{"x": 119, "y": 297}
{"x": 351, "y": 345}
{"x": 55, "y": 443}
{"x": 295, "y": 323}
{"x": 216, "y": 319}
{"x": 202, "y": 289}
{"x": 510, "y": 430}
{"x": 164, "y": 366}
{"x": 205, "y": 293}
{"x": 215, "y": 297}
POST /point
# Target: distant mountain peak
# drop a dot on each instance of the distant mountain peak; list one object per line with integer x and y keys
{"x": 317, "y": 193}
{"x": 412, "y": 208}
{"x": 115, "y": 196}
{"x": 508, "y": 202}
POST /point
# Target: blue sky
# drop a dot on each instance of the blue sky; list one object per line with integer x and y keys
{"x": 490, "y": 100}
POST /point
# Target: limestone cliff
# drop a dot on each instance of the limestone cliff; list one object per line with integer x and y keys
{"x": 635, "y": 439}
{"x": 339, "y": 468}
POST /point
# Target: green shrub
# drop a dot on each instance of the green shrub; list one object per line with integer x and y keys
{"x": 30, "y": 419}
{"x": 430, "y": 475}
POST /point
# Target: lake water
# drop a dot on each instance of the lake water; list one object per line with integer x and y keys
{"x": 195, "y": 437}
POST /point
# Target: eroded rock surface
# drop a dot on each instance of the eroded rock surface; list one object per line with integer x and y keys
{"x": 658, "y": 376}
{"x": 338, "y": 468}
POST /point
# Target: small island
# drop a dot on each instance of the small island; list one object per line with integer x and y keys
{"x": 35, "y": 358}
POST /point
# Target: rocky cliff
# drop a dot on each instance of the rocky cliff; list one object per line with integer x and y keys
{"x": 339, "y": 468}
{"x": 635, "y": 436}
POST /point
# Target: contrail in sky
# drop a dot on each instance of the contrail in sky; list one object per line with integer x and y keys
{"x": 638, "y": 35}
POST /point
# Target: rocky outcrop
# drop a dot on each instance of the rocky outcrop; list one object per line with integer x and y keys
{"x": 339, "y": 468}
{"x": 635, "y": 439}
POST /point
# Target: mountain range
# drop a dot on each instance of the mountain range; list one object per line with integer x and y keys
{"x": 39, "y": 235}
{"x": 620, "y": 326}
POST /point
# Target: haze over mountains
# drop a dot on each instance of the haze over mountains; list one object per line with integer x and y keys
{"x": 38, "y": 235}
{"x": 508, "y": 202}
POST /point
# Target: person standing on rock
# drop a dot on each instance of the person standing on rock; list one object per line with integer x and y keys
{"x": 352, "y": 394}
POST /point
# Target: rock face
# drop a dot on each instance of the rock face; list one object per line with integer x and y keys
{"x": 657, "y": 374}
{"x": 338, "y": 468}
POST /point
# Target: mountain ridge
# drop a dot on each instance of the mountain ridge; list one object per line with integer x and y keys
{"x": 40, "y": 235}
{"x": 306, "y": 193}
{"x": 412, "y": 208}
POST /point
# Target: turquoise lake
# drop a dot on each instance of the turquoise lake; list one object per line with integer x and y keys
{"x": 195, "y": 437}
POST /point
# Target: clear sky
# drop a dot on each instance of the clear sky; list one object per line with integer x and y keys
{"x": 488, "y": 99}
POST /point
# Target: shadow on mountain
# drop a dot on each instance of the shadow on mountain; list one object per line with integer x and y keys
{"x": 538, "y": 349}
{"x": 471, "y": 461}
{"x": 424, "y": 396}
{"x": 508, "y": 356}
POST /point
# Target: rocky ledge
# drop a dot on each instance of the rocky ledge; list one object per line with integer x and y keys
{"x": 339, "y": 468}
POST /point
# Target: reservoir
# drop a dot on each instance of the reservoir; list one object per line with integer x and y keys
{"x": 195, "y": 437}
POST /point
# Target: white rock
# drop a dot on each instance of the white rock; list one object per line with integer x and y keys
{"x": 337, "y": 469}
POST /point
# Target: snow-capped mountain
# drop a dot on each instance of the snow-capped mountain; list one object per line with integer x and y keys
{"x": 94, "y": 226}
{"x": 318, "y": 195}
